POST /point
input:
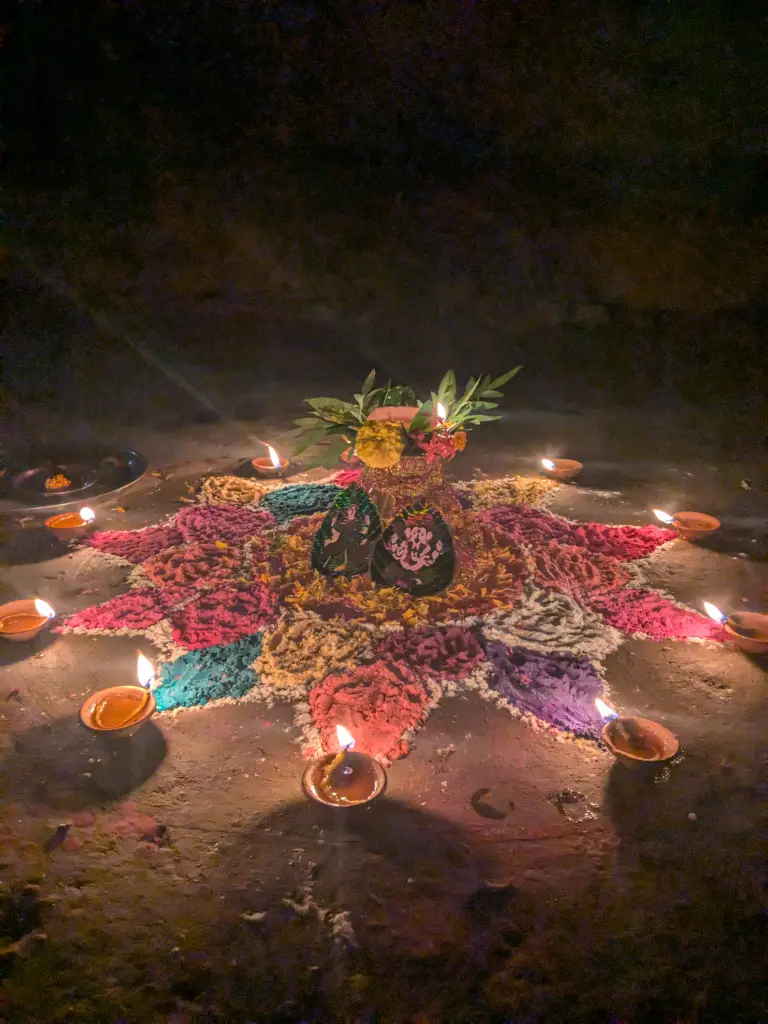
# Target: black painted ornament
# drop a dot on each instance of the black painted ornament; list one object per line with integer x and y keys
{"x": 415, "y": 552}
{"x": 344, "y": 540}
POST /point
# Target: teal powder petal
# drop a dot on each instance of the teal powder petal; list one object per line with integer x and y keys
{"x": 209, "y": 674}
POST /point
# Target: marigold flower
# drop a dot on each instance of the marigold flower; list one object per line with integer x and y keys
{"x": 380, "y": 444}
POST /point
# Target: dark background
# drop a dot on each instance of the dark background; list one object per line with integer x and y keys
{"x": 580, "y": 187}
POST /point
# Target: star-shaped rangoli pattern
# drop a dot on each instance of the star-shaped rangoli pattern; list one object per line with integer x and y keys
{"x": 225, "y": 591}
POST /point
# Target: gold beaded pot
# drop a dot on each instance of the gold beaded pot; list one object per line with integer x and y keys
{"x": 414, "y": 479}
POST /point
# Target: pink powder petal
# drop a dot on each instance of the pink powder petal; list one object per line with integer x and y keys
{"x": 233, "y": 524}
{"x": 224, "y": 615}
{"x": 194, "y": 565}
{"x": 534, "y": 526}
{"x": 645, "y": 611}
{"x": 376, "y": 703}
{"x": 135, "y": 611}
{"x": 136, "y": 545}
{"x": 575, "y": 571}
{"x": 346, "y": 477}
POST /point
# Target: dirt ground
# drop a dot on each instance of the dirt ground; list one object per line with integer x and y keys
{"x": 196, "y": 883}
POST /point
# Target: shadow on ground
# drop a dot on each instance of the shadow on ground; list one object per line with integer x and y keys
{"x": 59, "y": 764}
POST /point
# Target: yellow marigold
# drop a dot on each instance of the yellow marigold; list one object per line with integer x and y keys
{"x": 380, "y": 444}
{"x": 460, "y": 440}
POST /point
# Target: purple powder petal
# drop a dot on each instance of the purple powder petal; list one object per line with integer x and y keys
{"x": 556, "y": 688}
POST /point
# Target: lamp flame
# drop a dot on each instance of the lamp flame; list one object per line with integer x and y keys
{"x": 43, "y": 608}
{"x": 345, "y": 738}
{"x": 87, "y": 515}
{"x": 605, "y": 711}
{"x": 714, "y": 612}
{"x": 441, "y": 411}
{"x": 664, "y": 517}
{"x": 145, "y": 671}
{"x": 548, "y": 464}
{"x": 274, "y": 457}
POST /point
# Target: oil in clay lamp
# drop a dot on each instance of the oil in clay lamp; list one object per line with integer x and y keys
{"x": 23, "y": 620}
{"x": 746, "y": 630}
{"x": 561, "y": 470}
{"x": 689, "y": 525}
{"x": 67, "y": 525}
{"x": 120, "y": 711}
{"x": 636, "y": 742}
{"x": 272, "y": 466}
{"x": 345, "y": 779}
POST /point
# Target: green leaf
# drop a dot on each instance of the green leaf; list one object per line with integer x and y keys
{"x": 328, "y": 455}
{"x": 482, "y": 419}
{"x": 368, "y": 383}
{"x": 447, "y": 389}
{"x": 308, "y": 421}
{"x": 421, "y": 422}
{"x": 504, "y": 378}
{"x": 308, "y": 441}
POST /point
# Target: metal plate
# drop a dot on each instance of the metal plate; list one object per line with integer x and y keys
{"x": 33, "y": 480}
{"x": 101, "y": 472}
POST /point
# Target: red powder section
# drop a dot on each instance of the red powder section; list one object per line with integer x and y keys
{"x": 194, "y": 565}
{"x": 135, "y": 611}
{"x": 136, "y": 545}
{"x": 223, "y": 616}
{"x": 644, "y": 611}
{"x": 441, "y": 652}
{"x": 233, "y": 524}
{"x": 533, "y": 526}
{"x": 376, "y": 704}
{"x": 577, "y": 572}
{"x": 346, "y": 477}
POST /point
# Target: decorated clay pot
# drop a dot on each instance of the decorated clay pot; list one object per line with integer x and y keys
{"x": 404, "y": 414}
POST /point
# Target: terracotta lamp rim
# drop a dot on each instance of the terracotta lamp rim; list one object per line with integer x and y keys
{"x": 670, "y": 745}
{"x": 87, "y": 711}
{"x": 25, "y": 607}
{"x": 313, "y": 793}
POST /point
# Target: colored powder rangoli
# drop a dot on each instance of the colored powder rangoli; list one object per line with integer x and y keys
{"x": 235, "y": 604}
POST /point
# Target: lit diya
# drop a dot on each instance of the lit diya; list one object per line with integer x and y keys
{"x": 636, "y": 741}
{"x": 22, "y": 620}
{"x": 71, "y": 524}
{"x": 122, "y": 710}
{"x": 746, "y": 630}
{"x": 273, "y": 466}
{"x": 561, "y": 469}
{"x": 689, "y": 525}
{"x": 346, "y": 779}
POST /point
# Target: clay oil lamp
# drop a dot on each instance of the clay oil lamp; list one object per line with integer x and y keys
{"x": 272, "y": 466}
{"x": 689, "y": 525}
{"x": 23, "y": 620}
{"x": 345, "y": 779}
{"x": 636, "y": 742}
{"x": 561, "y": 469}
{"x": 120, "y": 711}
{"x": 68, "y": 525}
{"x": 350, "y": 458}
{"x": 746, "y": 630}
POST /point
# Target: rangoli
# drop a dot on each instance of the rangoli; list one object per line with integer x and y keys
{"x": 226, "y": 591}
